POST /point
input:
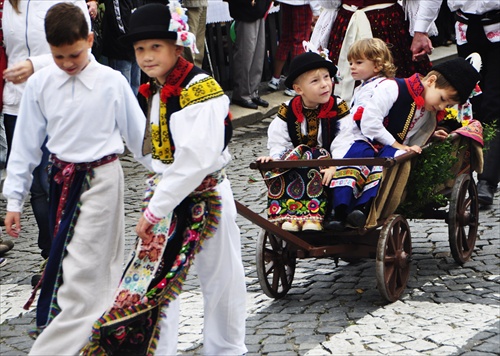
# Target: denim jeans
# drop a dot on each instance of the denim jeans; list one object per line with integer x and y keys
{"x": 129, "y": 69}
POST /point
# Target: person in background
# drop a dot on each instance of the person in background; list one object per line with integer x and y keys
{"x": 197, "y": 18}
{"x": 114, "y": 25}
{"x": 384, "y": 19}
{"x": 478, "y": 30}
{"x": 297, "y": 17}
{"x": 249, "y": 51}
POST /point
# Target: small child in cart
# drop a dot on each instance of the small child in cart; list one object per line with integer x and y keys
{"x": 391, "y": 116}
{"x": 309, "y": 126}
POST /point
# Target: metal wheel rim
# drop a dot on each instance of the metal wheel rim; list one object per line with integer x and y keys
{"x": 393, "y": 258}
{"x": 275, "y": 264}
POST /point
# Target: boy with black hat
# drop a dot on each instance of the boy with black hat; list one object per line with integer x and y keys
{"x": 399, "y": 117}
{"x": 86, "y": 110}
{"x": 307, "y": 127}
{"x": 189, "y": 204}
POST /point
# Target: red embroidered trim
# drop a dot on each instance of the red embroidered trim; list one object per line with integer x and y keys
{"x": 416, "y": 88}
{"x": 172, "y": 82}
{"x": 296, "y": 105}
{"x": 325, "y": 111}
{"x": 150, "y": 217}
{"x": 175, "y": 79}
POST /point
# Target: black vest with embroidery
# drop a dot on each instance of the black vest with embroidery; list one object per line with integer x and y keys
{"x": 329, "y": 127}
{"x": 401, "y": 114}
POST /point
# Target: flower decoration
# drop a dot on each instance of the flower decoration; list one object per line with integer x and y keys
{"x": 178, "y": 23}
{"x": 447, "y": 114}
{"x": 274, "y": 208}
{"x": 313, "y": 206}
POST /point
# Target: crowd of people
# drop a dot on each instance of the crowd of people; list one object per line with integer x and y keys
{"x": 361, "y": 85}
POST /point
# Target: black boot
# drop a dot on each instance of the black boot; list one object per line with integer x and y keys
{"x": 335, "y": 219}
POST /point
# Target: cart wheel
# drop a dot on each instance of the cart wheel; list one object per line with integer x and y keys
{"x": 393, "y": 257}
{"x": 463, "y": 218}
{"x": 275, "y": 265}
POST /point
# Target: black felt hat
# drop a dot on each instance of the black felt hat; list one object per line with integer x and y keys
{"x": 305, "y": 62}
{"x": 150, "y": 21}
{"x": 461, "y": 75}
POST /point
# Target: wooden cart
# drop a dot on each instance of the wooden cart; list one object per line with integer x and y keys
{"x": 386, "y": 236}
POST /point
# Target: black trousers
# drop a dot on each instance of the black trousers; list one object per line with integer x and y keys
{"x": 486, "y": 106}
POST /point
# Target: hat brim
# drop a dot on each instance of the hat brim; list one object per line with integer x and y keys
{"x": 130, "y": 38}
{"x": 332, "y": 69}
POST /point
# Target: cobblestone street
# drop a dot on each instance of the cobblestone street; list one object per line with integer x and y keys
{"x": 330, "y": 310}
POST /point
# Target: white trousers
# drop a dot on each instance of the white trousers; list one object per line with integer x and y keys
{"x": 92, "y": 267}
{"x": 222, "y": 279}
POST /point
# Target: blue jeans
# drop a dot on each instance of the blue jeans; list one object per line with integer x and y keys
{"x": 129, "y": 69}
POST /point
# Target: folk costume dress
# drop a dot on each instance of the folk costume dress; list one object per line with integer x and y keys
{"x": 301, "y": 133}
{"x": 384, "y": 19}
{"x": 86, "y": 192}
{"x": 189, "y": 199}
{"x": 384, "y": 111}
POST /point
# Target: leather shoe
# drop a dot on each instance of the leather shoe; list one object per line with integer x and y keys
{"x": 356, "y": 218}
{"x": 261, "y": 102}
{"x": 249, "y": 104}
{"x": 485, "y": 192}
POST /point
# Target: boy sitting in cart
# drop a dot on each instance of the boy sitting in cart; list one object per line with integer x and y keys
{"x": 306, "y": 127}
{"x": 399, "y": 117}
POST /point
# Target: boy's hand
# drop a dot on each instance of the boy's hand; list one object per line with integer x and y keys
{"x": 414, "y": 148}
{"x": 13, "y": 223}
{"x": 440, "y": 135}
{"x": 264, "y": 159}
{"x": 328, "y": 174}
{"x": 144, "y": 228}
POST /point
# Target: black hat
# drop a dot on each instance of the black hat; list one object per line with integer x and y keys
{"x": 461, "y": 75}
{"x": 305, "y": 62}
{"x": 150, "y": 21}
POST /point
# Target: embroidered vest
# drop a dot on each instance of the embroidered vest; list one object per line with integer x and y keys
{"x": 329, "y": 127}
{"x": 204, "y": 89}
{"x": 402, "y": 112}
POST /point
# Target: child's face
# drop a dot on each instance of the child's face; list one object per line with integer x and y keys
{"x": 73, "y": 58}
{"x": 157, "y": 57}
{"x": 363, "y": 69}
{"x": 314, "y": 86}
{"x": 437, "y": 98}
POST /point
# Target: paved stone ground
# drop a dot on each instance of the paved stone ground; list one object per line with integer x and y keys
{"x": 446, "y": 309}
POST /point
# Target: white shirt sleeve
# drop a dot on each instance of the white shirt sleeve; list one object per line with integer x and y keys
{"x": 376, "y": 109}
{"x": 132, "y": 124}
{"x": 198, "y": 134}
{"x": 278, "y": 138}
{"x": 427, "y": 13}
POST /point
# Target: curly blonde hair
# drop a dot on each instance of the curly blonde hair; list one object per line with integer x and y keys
{"x": 375, "y": 50}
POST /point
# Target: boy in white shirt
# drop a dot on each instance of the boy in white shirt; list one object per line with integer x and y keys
{"x": 85, "y": 109}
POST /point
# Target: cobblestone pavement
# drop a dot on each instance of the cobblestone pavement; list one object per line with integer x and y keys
{"x": 446, "y": 309}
